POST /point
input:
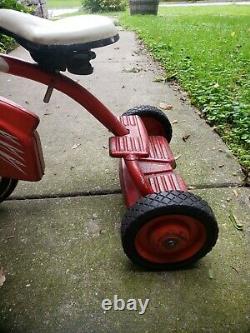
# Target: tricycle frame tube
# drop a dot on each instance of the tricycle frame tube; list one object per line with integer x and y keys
{"x": 67, "y": 86}
{"x": 137, "y": 176}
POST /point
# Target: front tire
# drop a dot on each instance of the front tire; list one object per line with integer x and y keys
{"x": 155, "y": 121}
{"x": 168, "y": 230}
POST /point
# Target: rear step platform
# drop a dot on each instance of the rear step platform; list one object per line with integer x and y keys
{"x": 136, "y": 142}
{"x": 154, "y": 159}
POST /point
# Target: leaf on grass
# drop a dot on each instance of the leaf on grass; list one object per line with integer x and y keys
{"x": 166, "y": 106}
{"x": 232, "y": 33}
{"x": 2, "y": 277}
{"x": 235, "y": 222}
{"x": 171, "y": 77}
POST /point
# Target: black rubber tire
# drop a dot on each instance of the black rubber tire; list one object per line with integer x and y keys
{"x": 7, "y": 186}
{"x": 152, "y": 112}
{"x": 167, "y": 203}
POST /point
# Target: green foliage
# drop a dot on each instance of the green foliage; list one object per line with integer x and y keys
{"x": 12, "y": 4}
{"x": 63, "y": 3}
{"x": 7, "y": 43}
{"x": 207, "y": 51}
{"x": 104, "y": 5}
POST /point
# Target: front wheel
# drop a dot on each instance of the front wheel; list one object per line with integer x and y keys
{"x": 168, "y": 230}
{"x": 155, "y": 121}
{"x": 7, "y": 186}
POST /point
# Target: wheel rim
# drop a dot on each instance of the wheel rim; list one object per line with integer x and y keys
{"x": 170, "y": 238}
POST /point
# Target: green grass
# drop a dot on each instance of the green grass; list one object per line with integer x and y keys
{"x": 207, "y": 50}
{"x": 63, "y": 3}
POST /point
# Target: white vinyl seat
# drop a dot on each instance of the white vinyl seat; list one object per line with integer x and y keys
{"x": 63, "y": 44}
{"x": 72, "y": 30}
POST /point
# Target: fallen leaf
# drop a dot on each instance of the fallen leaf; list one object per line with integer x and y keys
{"x": 210, "y": 274}
{"x": 233, "y": 33}
{"x": 185, "y": 137}
{"x": 166, "y": 106}
{"x": 132, "y": 70}
{"x": 76, "y": 145}
{"x": 2, "y": 277}
{"x": 159, "y": 79}
{"x": 235, "y": 222}
{"x": 236, "y": 193}
{"x": 235, "y": 269}
{"x": 171, "y": 77}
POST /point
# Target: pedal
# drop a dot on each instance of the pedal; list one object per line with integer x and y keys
{"x": 136, "y": 142}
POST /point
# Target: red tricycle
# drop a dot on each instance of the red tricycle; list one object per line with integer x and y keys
{"x": 165, "y": 226}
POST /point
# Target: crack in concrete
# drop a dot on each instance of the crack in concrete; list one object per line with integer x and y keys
{"x": 95, "y": 193}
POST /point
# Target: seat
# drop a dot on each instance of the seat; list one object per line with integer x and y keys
{"x": 61, "y": 40}
{"x": 81, "y": 29}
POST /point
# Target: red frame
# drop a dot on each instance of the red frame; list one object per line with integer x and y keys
{"x": 133, "y": 172}
{"x": 69, "y": 87}
{"x": 22, "y": 158}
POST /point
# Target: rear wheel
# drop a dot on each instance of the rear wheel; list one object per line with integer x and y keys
{"x": 7, "y": 186}
{"x": 169, "y": 230}
{"x": 155, "y": 121}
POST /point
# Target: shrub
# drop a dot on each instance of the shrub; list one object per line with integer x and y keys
{"x": 7, "y": 43}
{"x": 104, "y": 5}
{"x": 12, "y": 4}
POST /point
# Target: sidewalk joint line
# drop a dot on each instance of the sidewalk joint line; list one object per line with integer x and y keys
{"x": 65, "y": 195}
{"x": 115, "y": 191}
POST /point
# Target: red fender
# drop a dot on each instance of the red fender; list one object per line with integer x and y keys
{"x": 20, "y": 148}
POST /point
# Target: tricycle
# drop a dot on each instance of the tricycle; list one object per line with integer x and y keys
{"x": 165, "y": 226}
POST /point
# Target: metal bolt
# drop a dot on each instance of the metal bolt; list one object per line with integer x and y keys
{"x": 171, "y": 242}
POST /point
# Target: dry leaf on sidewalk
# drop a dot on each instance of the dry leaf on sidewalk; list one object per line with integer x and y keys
{"x": 235, "y": 222}
{"x": 177, "y": 157}
{"x": 185, "y": 137}
{"x": 76, "y": 146}
{"x": 236, "y": 193}
{"x": 2, "y": 277}
{"x": 166, "y": 106}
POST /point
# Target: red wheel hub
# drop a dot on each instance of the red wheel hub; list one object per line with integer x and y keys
{"x": 170, "y": 238}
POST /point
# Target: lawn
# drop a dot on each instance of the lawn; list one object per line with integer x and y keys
{"x": 63, "y": 3}
{"x": 207, "y": 50}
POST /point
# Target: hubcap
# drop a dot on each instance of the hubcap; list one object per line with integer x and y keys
{"x": 170, "y": 238}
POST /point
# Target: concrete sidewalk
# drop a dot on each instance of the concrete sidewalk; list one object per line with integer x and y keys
{"x": 63, "y": 255}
